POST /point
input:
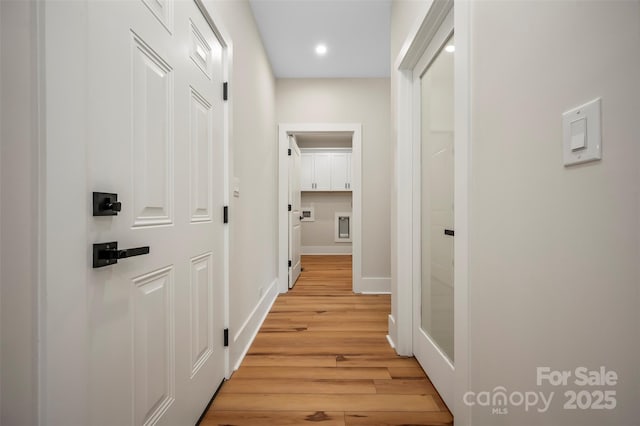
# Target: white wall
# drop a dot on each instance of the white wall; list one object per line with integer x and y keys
{"x": 253, "y": 216}
{"x": 554, "y": 251}
{"x": 363, "y": 101}
{"x": 18, "y": 190}
{"x": 321, "y": 232}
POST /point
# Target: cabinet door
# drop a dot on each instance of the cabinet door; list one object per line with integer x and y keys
{"x": 322, "y": 171}
{"x": 306, "y": 172}
{"x": 340, "y": 172}
{"x": 349, "y": 171}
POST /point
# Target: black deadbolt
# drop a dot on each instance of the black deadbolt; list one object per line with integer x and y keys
{"x": 106, "y": 204}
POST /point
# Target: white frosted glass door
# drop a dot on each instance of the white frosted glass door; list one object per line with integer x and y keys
{"x": 437, "y": 178}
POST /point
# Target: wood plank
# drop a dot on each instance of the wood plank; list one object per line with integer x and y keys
{"x": 291, "y": 361}
{"x": 376, "y": 361}
{"x": 272, "y": 418}
{"x": 349, "y": 373}
{"x": 405, "y": 387}
{"x": 407, "y": 373}
{"x": 316, "y": 402}
{"x": 319, "y": 386}
{"x": 418, "y": 418}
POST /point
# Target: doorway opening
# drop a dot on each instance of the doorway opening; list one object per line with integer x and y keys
{"x": 320, "y": 196}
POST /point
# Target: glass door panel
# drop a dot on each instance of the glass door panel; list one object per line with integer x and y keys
{"x": 437, "y": 189}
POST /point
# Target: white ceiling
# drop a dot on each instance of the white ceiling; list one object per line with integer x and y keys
{"x": 356, "y": 33}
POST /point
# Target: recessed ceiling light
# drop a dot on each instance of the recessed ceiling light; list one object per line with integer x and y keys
{"x": 321, "y": 49}
{"x": 450, "y": 48}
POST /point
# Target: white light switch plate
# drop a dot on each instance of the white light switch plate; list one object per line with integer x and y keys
{"x": 582, "y": 140}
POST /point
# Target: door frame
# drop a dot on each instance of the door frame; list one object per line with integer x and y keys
{"x": 284, "y": 130}
{"x": 412, "y": 51}
{"x": 61, "y": 76}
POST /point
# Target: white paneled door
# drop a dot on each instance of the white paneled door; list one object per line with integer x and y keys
{"x": 295, "y": 213}
{"x": 156, "y": 139}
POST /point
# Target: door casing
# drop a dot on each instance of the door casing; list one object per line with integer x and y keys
{"x": 286, "y": 129}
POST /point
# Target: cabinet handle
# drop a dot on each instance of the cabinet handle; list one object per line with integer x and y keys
{"x": 345, "y": 185}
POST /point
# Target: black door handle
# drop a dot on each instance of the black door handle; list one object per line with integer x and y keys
{"x": 105, "y": 254}
{"x": 449, "y": 232}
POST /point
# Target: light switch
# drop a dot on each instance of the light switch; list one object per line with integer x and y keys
{"x": 582, "y": 140}
{"x": 579, "y": 134}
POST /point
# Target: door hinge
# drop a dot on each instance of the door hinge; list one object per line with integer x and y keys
{"x": 225, "y": 91}
{"x": 225, "y": 214}
{"x": 289, "y": 264}
{"x": 226, "y": 337}
{"x": 289, "y": 151}
{"x": 289, "y": 207}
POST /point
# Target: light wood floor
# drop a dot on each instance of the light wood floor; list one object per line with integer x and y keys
{"x": 322, "y": 357}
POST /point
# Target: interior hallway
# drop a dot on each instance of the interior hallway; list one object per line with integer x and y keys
{"x": 322, "y": 356}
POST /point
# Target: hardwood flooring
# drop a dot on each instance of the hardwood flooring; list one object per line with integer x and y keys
{"x": 322, "y": 357}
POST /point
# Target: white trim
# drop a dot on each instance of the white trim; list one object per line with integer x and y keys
{"x": 224, "y": 37}
{"x": 393, "y": 346}
{"x": 418, "y": 40}
{"x": 463, "y": 176}
{"x": 284, "y": 129}
{"x": 342, "y": 150}
{"x": 437, "y": 366}
{"x": 404, "y": 224}
{"x": 245, "y": 336}
{"x": 326, "y": 250}
{"x": 376, "y": 285}
{"x": 392, "y": 330}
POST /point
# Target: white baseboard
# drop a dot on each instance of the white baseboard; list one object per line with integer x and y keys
{"x": 392, "y": 331}
{"x": 375, "y": 285}
{"x": 393, "y": 345}
{"x": 326, "y": 250}
{"x": 243, "y": 339}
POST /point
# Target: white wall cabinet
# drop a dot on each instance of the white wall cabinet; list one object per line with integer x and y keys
{"x": 325, "y": 171}
{"x": 306, "y": 172}
{"x": 341, "y": 171}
